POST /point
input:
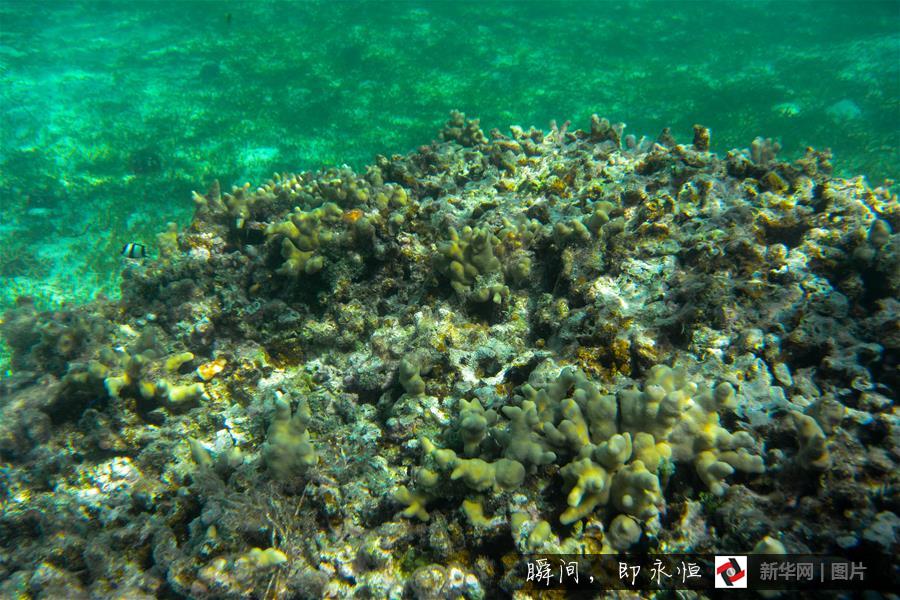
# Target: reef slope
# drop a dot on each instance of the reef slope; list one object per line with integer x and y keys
{"x": 394, "y": 382}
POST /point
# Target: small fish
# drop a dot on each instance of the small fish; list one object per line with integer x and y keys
{"x": 134, "y": 250}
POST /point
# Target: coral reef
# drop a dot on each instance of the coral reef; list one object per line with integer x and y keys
{"x": 392, "y": 383}
{"x": 609, "y": 449}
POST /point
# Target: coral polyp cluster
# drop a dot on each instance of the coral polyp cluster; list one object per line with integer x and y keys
{"x": 398, "y": 381}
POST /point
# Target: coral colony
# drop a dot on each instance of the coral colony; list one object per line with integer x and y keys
{"x": 393, "y": 383}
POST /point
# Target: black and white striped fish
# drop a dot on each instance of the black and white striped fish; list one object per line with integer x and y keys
{"x": 134, "y": 250}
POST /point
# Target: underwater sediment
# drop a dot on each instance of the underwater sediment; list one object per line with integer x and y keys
{"x": 393, "y": 383}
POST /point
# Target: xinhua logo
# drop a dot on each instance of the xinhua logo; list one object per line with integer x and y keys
{"x": 731, "y": 572}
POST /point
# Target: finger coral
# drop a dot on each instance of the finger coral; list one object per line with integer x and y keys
{"x": 288, "y": 451}
{"x": 611, "y": 449}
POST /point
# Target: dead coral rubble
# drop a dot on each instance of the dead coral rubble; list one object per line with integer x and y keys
{"x": 391, "y": 382}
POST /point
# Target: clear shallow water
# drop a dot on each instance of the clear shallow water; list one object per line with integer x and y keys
{"x": 113, "y": 113}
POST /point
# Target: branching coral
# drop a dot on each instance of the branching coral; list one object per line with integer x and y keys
{"x": 464, "y": 131}
{"x": 302, "y": 235}
{"x": 141, "y": 373}
{"x": 468, "y": 259}
{"x": 612, "y": 449}
{"x": 288, "y": 451}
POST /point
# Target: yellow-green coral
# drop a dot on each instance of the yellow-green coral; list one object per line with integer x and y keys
{"x": 590, "y": 488}
{"x": 464, "y": 131}
{"x": 174, "y": 362}
{"x": 238, "y": 205}
{"x": 599, "y": 215}
{"x": 415, "y": 502}
{"x": 410, "y": 374}
{"x": 478, "y": 474}
{"x": 297, "y": 262}
{"x": 468, "y": 259}
{"x": 685, "y": 416}
{"x": 135, "y": 373}
{"x": 565, "y": 232}
{"x": 813, "y": 448}
{"x": 613, "y": 449}
{"x": 343, "y": 187}
{"x": 177, "y": 396}
{"x": 288, "y": 450}
{"x": 540, "y": 535}
{"x": 521, "y": 441}
{"x": 200, "y": 454}
{"x": 480, "y": 261}
{"x": 473, "y": 424}
{"x": 635, "y": 491}
{"x": 623, "y": 533}
{"x": 474, "y": 511}
{"x": 302, "y": 234}
{"x": 259, "y": 559}
{"x": 769, "y": 545}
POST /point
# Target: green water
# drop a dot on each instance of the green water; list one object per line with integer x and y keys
{"x": 113, "y": 112}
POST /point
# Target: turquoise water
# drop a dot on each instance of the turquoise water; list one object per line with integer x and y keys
{"x": 113, "y": 112}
